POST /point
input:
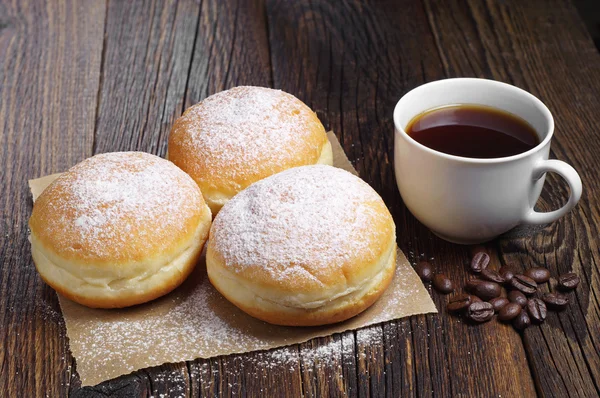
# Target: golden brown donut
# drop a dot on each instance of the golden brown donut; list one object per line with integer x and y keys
{"x": 118, "y": 229}
{"x": 309, "y": 246}
{"x": 242, "y": 135}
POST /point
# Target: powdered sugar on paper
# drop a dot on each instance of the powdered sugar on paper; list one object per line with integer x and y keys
{"x": 195, "y": 321}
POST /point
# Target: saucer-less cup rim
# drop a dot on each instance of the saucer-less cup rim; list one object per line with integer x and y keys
{"x": 547, "y": 135}
{"x": 565, "y": 170}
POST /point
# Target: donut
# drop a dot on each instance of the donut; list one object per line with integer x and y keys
{"x": 309, "y": 246}
{"x": 242, "y": 135}
{"x": 118, "y": 229}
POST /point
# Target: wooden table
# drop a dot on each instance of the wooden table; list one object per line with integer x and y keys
{"x": 85, "y": 77}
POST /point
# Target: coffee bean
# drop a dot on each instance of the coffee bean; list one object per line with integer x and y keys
{"x": 516, "y": 296}
{"x": 506, "y": 273}
{"x": 556, "y": 301}
{"x": 459, "y": 303}
{"x": 568, "y": 281}
{"x": 480, "y": 262}
{"x": 498, "y": 303}
{"x": 509, "y": 312}
{"x": 493, "y": 276}
{"x": 475, "y": 299}
{"x": 480, "y": 312}
{"x": 522, "y": 321}
{"x": 443, "y": 284}
{"x": 471, "y": 283}
{"x": 538, "y": 274}
{"x": 424, "y": 270}
{"x": 537, "y": 310}
{"x": 524, "y": 284}
{"x": 485, "y": 290}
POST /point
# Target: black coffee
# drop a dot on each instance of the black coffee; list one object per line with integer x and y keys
{"x": 473, "y": 131}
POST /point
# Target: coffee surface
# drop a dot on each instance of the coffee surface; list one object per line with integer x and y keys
{"x": 473, "y": 131}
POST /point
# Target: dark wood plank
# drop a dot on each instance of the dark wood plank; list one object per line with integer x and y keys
{"x": 543, "y": 47}
{"x": 147, "y": 54}
{"x": 351, "y": 62}
{"x": 49, "y": 76}
{"x": 322, "y": 362}
{"x": 161, "y": 58}
{"x": 232, "y": 49}
{"x": 145, "y": 62}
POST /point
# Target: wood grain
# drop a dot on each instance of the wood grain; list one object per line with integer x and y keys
{"x": 78, "y": 79}
{"x": 161, "y": 58}
{"x": 231, "y": 49}
{"x": 146, "y": 58}
{"x": 49, "y": 76}
{"x": 523, "y": 43}
{"x": 352, "y": 64}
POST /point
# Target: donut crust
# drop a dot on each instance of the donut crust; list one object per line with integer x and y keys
{"x": 310, "y": 246}
{"x": 118, "y": 229}
{"x": 225, "y": 153}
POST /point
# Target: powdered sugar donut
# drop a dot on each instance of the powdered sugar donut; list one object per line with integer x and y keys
{"x": 242, "y": 135}
{"x": 118, "y": 229}
{"x": 309, "y": 246}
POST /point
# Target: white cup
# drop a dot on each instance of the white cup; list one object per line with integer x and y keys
{"x": 467, "y": 200}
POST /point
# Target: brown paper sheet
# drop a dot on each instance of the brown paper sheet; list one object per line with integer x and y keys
{"x": 195, "y": 321}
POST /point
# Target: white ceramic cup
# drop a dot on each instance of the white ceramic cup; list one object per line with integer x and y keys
{"x": 467, "y": 200}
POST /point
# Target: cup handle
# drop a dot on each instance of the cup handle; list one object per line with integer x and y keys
{"x": 570, "y": 176}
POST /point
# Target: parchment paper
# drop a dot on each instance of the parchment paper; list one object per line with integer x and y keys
{"x": 195, "y": 321}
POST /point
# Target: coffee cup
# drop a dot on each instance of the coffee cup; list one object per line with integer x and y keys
{"x": 471, "y": 200}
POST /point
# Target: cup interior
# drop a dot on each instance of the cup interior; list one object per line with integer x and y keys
{"x": 477, "y": 92}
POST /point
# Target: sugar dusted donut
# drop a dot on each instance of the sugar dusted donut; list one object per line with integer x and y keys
{"x": 309, "y": 246}
{"x": 118, "y": 229}
{"x": 242, "y": 135}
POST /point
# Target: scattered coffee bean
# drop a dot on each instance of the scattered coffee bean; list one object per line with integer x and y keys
{"x": 516, "y": 307}
{"x": 556, "y": 301}
{"x": 459, "y": 303}
{"x": 537, "y": 310}
{"x": 498, "y": 303}
{"x": 471, "y": 283}
{"x": 480, "y": 312}
{"x": 493, "y": 276}
{"x": 568, "y": 281}
{"x": 538, "y": 274}
{"x": 509, "y": 312}
{"x": 521, "y": 321}
{"x": 443, "y": 284}
{"x": 480, "y": 262}
{"x": 506, "y": 273}
{"x": 485, "y": 290}
{"x": 516, "y": 296}
{"x": 424, "y": 270}
{"x": 524, "y": 284}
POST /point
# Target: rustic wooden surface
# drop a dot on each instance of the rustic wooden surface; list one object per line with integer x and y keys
{"x": 79, "y": 78}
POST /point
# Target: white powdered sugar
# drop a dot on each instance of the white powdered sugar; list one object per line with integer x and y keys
{"x": 298, "y": 221}
{"x": 187, "y": 323}
{"x": 114, "y": 202}
{"x": 194, "y": 321}
{"x": 240, "y": 131}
